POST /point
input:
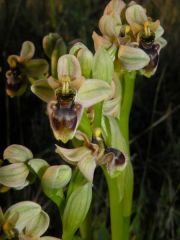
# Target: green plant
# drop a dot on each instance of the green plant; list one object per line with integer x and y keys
{"x": 89, "y": 100}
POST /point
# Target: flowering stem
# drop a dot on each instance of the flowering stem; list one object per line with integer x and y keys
{"x": 119, "y": 219}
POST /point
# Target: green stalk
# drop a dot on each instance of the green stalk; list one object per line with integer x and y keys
{"x": 119, "y": 219}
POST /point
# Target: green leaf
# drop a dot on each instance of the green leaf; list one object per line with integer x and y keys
{"x": 76, "y": 210}
{"x": 93, "y": 91}
{"x": 103, "y": 67}
{"x": 17, "y": 153}
{"x": 14, "y": 175}
{"x": 27, "y": 51}
{"x": 42, "y": 90}
{"x": 77, "y": 180}
{"x": 39, "y": 166}
{"x": 132, "y": 58}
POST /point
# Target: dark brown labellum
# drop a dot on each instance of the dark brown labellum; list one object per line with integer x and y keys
{"x": 15, "y": 81}
{"x": 151, "y": 49}
{"x": 118, "y": 157}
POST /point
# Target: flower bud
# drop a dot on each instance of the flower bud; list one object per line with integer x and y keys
{"x": 17, "y": 153}
{"x": 59, "y": 50}
{"x": 14, "y": 175}
{"x": 49, "y": 42}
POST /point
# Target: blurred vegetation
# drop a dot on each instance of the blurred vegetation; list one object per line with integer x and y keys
{"x": 155, "y": 118}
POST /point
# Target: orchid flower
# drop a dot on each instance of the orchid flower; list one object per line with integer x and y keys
{"x": 23, "y": 69}
{"x": 24, "y": 220}
{"x": 127, "y": 29}
{"x": 92, "y": 154}
{"x": 68, "y": 96}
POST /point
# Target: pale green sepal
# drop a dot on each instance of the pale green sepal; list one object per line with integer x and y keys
{"x": 17, "y": 153}
{"x": 162, "y": 42}
{"x": 136, "y": 14}
{"x": 76, "y": 210}
{"x": 110, "y": 25}
{"x": 128, "y": 190}
{"x": 68, "y": 65}
{"x": 28, "y": 212}
{"x": 14, "y": 175}
{"x": 27, "y": 51}
{"x": 38, "y": 225}
{"x": 73, "y": 156}
{"x": 133, "y": 58}
{"x": 36, "y": 68}
{"x": 42, "y": 90}
{"x": 39, "y": 166}
{"x": 159, "y": 32}
{"x": 103, "y": 67}
{"x": 93, "y": 91}
{"x": 112, "y": 107}
{"x": 56, "y": 177}
{"x": 87, "y": 167}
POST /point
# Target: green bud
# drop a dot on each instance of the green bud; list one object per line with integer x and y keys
{"x": 103, "y": 67}
{"x": 49, "y": 42}
{"x": 53, "y": 180}
{"x": 76, "y": 210}
{"x": 14, "y": 175}
{"x": 56, "y": 177}
{"x": 17, "y": 153}
{"x": 59, "y": 50}
{"x": 85, "y": 57}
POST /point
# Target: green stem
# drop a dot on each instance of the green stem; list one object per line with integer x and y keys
{"x": 119, "y": 220}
